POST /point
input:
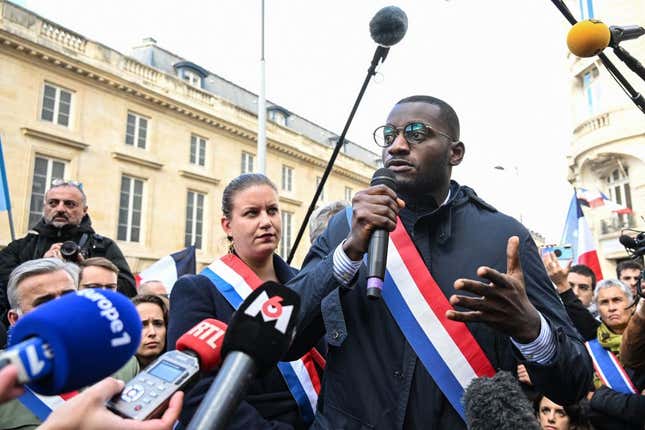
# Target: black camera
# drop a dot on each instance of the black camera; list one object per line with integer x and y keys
{"x": 70, "y": 251}
{"x": 635, "y": 247}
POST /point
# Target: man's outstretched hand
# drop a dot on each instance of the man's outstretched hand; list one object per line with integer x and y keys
{"x": 502, "y": 303}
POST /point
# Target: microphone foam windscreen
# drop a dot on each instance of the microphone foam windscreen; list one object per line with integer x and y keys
{"x": 627, "y": 241}
{"x": 588, "y": 38}
{"x": 263, "y": 325}
{"x": 388, "y": 26}
{"x": 205, "y": 339}
{"x": 91, "y": 333}
{"x": 498, "y": 403}
{"x": 385, "y": 177}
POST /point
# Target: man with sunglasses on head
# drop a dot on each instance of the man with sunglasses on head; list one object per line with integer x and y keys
{"x": 403, "y": 362}
{"x": 64, "y": 232}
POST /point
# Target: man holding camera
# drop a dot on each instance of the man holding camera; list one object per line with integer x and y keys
{"x": 65, "y": 232}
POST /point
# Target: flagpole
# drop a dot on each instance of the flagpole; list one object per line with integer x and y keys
{"x": 262, "y": 109}
{"x": 5, "y": 192}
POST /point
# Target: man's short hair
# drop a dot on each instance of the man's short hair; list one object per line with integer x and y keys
{"x": 447, "y": 113}
{"x": 67, "y": 183}
{"x": 627, "y": 264}
{"x": 36, "y": 267}
{"x": 101, "y": 262}
{"x": 608, "y": 283}
{"x": 584, "y": 270}
{"x": 321, "y": 216}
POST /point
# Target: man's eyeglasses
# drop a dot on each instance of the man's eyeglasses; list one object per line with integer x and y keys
{"x": 414, "y": 133}
{"x": 101, "y": 286}
{"x": 57, "y": 182}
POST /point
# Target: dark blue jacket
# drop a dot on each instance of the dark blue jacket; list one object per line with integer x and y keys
{"x": 373, "y": 378}
{"x": 268, "y": 403}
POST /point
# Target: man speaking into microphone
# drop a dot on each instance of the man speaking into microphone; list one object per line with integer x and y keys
{"x": 403, "y": 361}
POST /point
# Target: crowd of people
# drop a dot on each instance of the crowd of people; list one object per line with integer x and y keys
{"x": 468, "y": 293}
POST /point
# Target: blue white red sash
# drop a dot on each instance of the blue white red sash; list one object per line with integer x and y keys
{"x": 608, "y": 369}
{"x": 446, "y": 348}
{"x": 40, "y": 405}
{"x": 235, "y": 281}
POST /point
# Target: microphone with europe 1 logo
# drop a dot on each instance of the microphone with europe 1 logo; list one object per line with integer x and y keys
{"x": 147, "y": 395}
{"x": 74, "y": 341}
{"x": 259, "y": 334}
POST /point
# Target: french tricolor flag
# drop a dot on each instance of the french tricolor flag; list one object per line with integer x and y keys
{"x": 595, "y": 199}
{"x": 170, "y": 268}
{"x": 578, "y": 234}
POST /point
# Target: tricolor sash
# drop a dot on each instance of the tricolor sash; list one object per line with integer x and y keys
{"x": 235, "y": 281}
{"x": 446, "y": 348}
{"x": 40, "y": 405}
{"x": 609, "y": 369}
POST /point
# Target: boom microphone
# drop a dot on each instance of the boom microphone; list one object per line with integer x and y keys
{"x": 590, "y": 37}
{"x": 388, "y": 26}
{"x": 53, "y": 344}
{"x": 498, "y": 403}
{"x": 627, "y": 241}
{"x": 258, "y": 335}
{"x": 377, "y": 251}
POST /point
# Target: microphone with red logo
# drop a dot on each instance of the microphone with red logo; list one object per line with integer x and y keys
{"x": 258, "y": 335}
{"x": 148, "y": 394}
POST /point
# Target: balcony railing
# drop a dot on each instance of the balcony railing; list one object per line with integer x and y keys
{"x": 616, "y": 223}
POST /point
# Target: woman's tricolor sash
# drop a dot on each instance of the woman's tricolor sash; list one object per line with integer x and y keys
{"x": 446, "y": 348}
{"x": 235, "y": 281}
{"x": 608, "y": 369}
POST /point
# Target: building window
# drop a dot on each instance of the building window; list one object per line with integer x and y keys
{"x": 285, "y": 240}
{"x": 321, "y": 198}
{"x": 590, "y": 90}
{"x": 247, "y": 162}
{"x": 45, "y": 170}
{"x": 194, "y": 219}
{"x": 197, "y": 150}
{"x": 619, "y": 189}
{"x": 57, "y": 104}
{"x": 278, "y": 117}
{"x": 287, "y": 178}
{"x": 586, "y": 9}
{"x": 130, "y": 209}
{"x": 192, "y": 78}
{"x": 348, "y": 194}
{"x": 136, "y": 132}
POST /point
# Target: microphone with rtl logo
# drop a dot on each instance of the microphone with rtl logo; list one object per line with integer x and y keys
{"x": 148, "y": 394}
{"x": 259, "y": 334}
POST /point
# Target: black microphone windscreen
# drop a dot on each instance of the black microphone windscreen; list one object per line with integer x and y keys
{"x": 388, "y": 26}
{"x": 262, "y": 327}
{"x": 385, "y": 177}
{"x": 627, "y": 241}
{"x": 498, "y": 403}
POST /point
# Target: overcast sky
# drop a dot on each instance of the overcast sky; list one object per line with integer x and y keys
{"x": 500, "y": 63}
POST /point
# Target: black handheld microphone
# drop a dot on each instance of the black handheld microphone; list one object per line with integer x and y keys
{"x": 497, "y": 403}
{"x": 377, "y": 250}
{"x": 387, "y": 28}
{"x": 258, "y": 335}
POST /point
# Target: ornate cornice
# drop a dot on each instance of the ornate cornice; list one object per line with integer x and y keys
{"x": 199, "y": 177}
{"x": 121, "y": 156}
{"x": 53, "y": 138}
{"x": 291, "y": 201}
